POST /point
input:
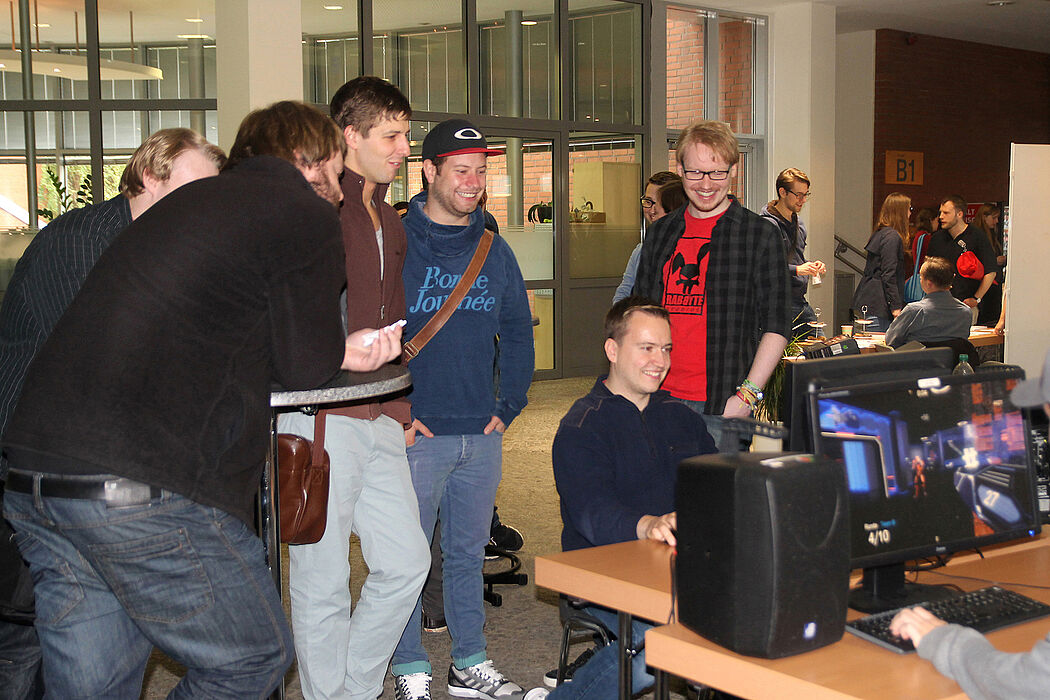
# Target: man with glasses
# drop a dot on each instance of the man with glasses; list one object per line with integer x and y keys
{"x": 721, "y": 272}
{"x": 793, "y": 191}
{"x": 652, "y": 210}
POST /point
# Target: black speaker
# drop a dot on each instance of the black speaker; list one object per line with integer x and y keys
{"x": 763, "y": 551}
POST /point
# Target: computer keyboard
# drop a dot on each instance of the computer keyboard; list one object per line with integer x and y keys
{"x": 984, "y": 610}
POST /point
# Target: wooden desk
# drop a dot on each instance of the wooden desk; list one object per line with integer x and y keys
{"x": 633, "y": 578}
{"x": 852, "y": 667}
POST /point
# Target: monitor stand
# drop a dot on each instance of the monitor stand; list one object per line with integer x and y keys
{"x": 885, "y": 588}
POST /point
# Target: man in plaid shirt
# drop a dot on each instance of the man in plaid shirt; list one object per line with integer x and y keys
{"x": 721, "y": 272}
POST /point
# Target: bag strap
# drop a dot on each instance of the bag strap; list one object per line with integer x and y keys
{"x": 922, "y": 245}
{"x": 317, "y": 449}
{"x": 416, "y": 344}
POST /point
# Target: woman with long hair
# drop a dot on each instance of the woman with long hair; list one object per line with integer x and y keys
{"x": 987, "y": 220}
{"x": 880, "y": 294}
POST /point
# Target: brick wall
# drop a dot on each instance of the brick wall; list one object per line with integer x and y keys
{"x": 685, "y": 70}
{"x": 961, "y": 104}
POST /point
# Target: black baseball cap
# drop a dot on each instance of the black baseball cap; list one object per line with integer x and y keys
{"x": 453, "y": 137}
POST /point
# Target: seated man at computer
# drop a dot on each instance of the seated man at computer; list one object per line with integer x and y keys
{"x": 615, "y": 456}
{"x": 938, "y": 315}
{"x": 965, "y": 655}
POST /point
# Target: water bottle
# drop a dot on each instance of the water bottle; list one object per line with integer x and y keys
{"x": 964, "y": 365}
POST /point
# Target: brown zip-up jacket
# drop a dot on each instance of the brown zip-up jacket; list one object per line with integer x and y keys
{"x": 371, "y": 302}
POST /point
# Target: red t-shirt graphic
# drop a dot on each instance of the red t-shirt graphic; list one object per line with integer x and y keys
{"x": 685, "y": 277}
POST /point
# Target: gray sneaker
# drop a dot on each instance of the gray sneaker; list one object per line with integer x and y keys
{"x": 412, "y": 686}
{"x": 482, "y": 681}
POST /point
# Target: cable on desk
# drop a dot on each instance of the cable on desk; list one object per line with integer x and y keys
{"x": 992, "y": 581}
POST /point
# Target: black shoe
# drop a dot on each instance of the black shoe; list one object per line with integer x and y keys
{"x": 550, "y": 679}
{"x": 506, "y": 537}
{"x": 433, "y": 624}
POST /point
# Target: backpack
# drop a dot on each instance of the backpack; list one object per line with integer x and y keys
{"x": 912, "y": 287}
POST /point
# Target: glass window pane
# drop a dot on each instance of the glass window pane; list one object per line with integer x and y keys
{"x": 536, "y": 68}
{"x": 58, "y": 42}
{"x": 523, "y": 206}
{"x": 331, "y": 49}
{"x": 152, "y": 51}
{"x": 604, "y": 211}
{"x": 685, "y": 67}
{"x": 736, "y": 51}
{"x": 606, "y": 61}
{"x": 424, "y": 56}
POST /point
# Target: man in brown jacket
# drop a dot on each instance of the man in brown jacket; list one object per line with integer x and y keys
{"x": 371, "y": 488}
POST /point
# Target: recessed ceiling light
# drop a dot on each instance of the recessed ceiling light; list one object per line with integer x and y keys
{"x": 528, "y": 22}
{"x": 42, "y": 25}
{"x": 57, "y": 70}
{"x": 195, "y": 20}
{"x": 999, "y": 3}
{"x": 193, "y": 36}
{"x": 332, "y": 7}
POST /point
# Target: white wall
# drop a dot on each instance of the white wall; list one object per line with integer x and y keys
{"x": 1027, "y": 284}
{"x": 855, "y": 130}
{"x": 259, "y": 58}
{"x": 802, "y": 70}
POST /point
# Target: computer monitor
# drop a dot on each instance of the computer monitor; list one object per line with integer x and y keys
{"x": 933, "y": 466}
{"x": 850, "y": 369}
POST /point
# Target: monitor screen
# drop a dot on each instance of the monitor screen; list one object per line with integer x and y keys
{"x": 847, "y": 370}
{"x": 933, "y": 465}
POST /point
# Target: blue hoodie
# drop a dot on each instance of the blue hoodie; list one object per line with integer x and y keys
{"x": 454, "y": 378}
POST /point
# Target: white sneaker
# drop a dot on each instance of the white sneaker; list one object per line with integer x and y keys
{"x": 482, "y": 681}
{"x": 412, "y": 686}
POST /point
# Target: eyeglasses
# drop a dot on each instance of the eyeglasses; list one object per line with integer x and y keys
{"x": 801, "y": 196}
{"x": 647, "y": 203}
{"x": 699, "y": 174}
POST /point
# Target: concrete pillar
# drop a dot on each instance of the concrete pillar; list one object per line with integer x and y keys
{"x": 259, "y": 58}
{"x": 802, "y": 119}
{"x": 515, "y": 159}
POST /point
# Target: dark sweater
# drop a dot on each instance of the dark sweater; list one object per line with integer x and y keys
{"x": 881, "y": 289}
{"x": 46, "y": 279}
{"x": 613, "y": 463}
{"x": 454, "y": 391}
{"x": 161, "y": 368}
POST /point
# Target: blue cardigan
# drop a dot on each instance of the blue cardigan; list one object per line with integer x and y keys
{"x": 613, "y": 463}
{"x": 459, "y": 380}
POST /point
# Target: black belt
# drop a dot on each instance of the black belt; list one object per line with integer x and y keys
{"x": 114, "y": 491}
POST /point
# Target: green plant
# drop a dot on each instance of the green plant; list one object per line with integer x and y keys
{"x": 65, "y": 201}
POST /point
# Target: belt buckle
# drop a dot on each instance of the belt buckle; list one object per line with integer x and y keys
{"x": 121, "y": 493}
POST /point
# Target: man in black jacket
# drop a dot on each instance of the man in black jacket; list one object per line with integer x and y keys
{"x": 139, "y": 438}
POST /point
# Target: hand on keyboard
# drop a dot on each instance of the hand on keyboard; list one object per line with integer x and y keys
{"x": 914, "y": 623}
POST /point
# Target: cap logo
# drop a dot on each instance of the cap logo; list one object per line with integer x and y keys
{"x": 468, "y": 133}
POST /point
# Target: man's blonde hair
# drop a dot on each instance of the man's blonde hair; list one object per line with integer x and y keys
{"x": 157, "y": 154}
{"x": 715, "y": 135}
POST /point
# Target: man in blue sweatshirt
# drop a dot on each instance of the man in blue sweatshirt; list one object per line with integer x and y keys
{"x": 615, "y": 460}
{"x": 459, "y": 412}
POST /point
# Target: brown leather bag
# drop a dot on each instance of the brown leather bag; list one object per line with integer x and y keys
{"x": 302, "y": 480}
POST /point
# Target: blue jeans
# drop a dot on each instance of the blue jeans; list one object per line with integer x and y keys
{"x": 20, "y": 673}
{"x": 112, "y": 583}
{"x": 456, "y": 476}
{"x": 370, "y": 493}
{"x": 599, "y": 678}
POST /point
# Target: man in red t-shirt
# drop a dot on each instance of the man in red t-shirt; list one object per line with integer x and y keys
{"x": 721, "y": 272}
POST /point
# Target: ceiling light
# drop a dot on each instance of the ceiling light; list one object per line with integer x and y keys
{"x": 195, "y": 20}
{"x": 192, "y": 36}
{"x": 42, "y": 26}
{"x": 528, "y": 22}
{"x": 332, "y": 7}
{"x": 999, "y": 3}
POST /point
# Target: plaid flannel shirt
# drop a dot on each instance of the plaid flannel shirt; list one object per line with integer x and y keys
{"x": 746, "y": 289}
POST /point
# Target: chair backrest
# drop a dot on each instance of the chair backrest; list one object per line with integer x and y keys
{"x": 959, "y": 346}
